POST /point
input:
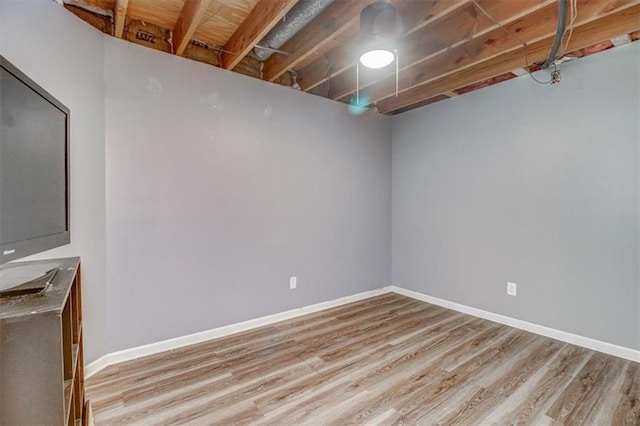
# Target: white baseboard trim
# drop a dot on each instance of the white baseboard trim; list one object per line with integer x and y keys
{"x": 95, "y": 366}
{"x": 178, "y": 342}
{"x": 574, "y": 339}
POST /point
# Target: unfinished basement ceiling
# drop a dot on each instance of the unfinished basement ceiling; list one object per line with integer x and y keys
{"x": 449, "y": 47}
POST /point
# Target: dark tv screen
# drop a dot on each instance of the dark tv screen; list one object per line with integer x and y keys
{"x": 34, "y": 172}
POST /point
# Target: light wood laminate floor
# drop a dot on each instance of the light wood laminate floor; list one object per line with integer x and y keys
{"x": 383, "y": 360}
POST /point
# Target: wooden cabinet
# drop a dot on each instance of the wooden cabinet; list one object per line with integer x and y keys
{"x": 41, "y": 352}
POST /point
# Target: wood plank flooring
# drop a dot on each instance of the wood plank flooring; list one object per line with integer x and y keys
{"x": 384, "y": 360}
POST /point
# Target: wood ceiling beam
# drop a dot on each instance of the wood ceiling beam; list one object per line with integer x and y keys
{"x": 415, "y": 16}
{"x": 262, "y": 18}
{"x": 586, "y": 33}
{"x": 190, "y": 16}
{"x": 460, "y": 28}
{"x": 340, "y": 17}
{"x": 531, "y": 28}
{"x": 120, "y": 16}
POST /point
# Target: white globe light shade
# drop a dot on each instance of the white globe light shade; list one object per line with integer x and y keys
{"x": 377, "y": 58}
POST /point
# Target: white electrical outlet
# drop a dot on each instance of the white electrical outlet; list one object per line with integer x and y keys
{"x": 293, "y": 282}
{"x": 512, "y": 288}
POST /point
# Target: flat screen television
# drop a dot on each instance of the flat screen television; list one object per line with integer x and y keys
{"x": 34, "y": 167}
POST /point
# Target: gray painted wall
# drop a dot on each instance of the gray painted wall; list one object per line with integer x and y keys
{"x": 532, "y": 184}
{"x": 66, "y": 57}
{"x": 220, "y": 187}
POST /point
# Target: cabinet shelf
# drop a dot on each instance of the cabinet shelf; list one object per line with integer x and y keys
{"x": 68, "y": 384}
{"x": 41, "y": 352}
{"x": 68, "y": 387}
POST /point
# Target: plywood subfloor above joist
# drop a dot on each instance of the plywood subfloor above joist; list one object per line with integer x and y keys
{"x": 448, "y": 47}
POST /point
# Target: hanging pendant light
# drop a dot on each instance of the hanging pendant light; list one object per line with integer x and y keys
{"x": 379, "y": 28}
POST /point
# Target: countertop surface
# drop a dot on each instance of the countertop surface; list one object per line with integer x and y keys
{"x": 51, "y": 299}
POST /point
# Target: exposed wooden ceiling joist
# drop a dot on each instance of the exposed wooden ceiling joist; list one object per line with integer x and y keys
{"x": 190, "y": 16}
{"x": 586, "y": 33}
{"x": 120, "y": 16}
{"x": 340, "y": 16}
{"x": 531, "y": 28}
{"x": 263, "y": 17}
